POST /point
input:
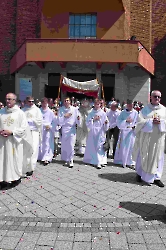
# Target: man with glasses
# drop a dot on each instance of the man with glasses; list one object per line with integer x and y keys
{"x": 15, "y": 137}
{"x": 149, "y": 145}
{"x": 34, "y": 117}
{"x": 68, "y": 117}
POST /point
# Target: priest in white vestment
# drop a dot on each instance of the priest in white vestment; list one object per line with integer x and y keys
{"x": 97, "y": 123}
{"x": 34, "y": 118}
{"x": 126, "y": 122}
{"x": 15, "y": 141}
{"x": 150, "y": 141}
{"x": 68, "y": 117}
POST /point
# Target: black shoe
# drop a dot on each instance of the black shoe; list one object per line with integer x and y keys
{"x": 104, "y": 165}
{"x": 159, "y": 183}
{"x": 29, "y": 173}
{"x": 46, "y": 163}
{"x": 70, "y": 166}
{"x": 138, "y": 178}
{"x": 15, "y": 183}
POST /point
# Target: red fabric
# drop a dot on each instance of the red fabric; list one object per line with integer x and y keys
{"x": 65, "y": 88}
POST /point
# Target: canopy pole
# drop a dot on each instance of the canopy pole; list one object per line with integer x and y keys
{"x": 59, "y": 90}
{"x": 103, "y": 91}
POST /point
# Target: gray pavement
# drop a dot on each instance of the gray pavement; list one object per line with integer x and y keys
{"x": 81, "y": 209}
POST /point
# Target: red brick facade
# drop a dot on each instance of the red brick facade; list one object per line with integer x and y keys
{"x": 27, "y": 23}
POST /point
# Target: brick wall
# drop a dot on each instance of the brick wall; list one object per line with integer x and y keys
{"x": 28, "y": 20}
{"x": 127, "y": 22}
{"x": 159, "y": 46}
{"x": 140, "y": 18}
{"x": 8, "y": 34}
{"x": 7, "y": 45}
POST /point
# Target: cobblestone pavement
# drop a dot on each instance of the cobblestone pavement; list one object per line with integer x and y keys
{"x": 81, "y": 209}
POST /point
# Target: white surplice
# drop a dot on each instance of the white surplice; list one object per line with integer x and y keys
{"x": 68, "y": 131}
{"x": 124, "y": 148}
{"x": 149, "y": 145}
{"x": 34, "y": 118}
{"x": 94, "y": 153}
{"x": 46, "y": 148}
{"x": 15, "y": 148}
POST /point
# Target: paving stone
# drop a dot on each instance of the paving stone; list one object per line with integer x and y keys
{"x": 162, "y": 233}
{"x": 137, "y": 247}
{"x": 82, "y": 246}
{"x": 135, "y": 238}
{"x": 63, "y": 245}
{"x": 47, "y": 239}
{"x": 15, "y": 233}
{"x": 32, "y": 224}
{"x": 118, "y": 240}
{"x": 9, "y": 242}
{"x": 156, "y": 246}
{"x": 38, "y": 247}
{"x": 47, "y": 224}
{"x": 66, "y": 237}
{"x": 82, "y": 237}
{"x": 99, "y": 243}
{"x": 152, "y": 238}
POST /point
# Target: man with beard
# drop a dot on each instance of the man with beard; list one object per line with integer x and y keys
{"x": 97, "y": 123}
{"x": 82, "y": 132}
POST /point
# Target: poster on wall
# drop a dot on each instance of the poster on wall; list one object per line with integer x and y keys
{"x": 25, "y": 88}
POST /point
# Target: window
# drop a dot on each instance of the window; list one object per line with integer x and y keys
{"x": 82, "y": 26}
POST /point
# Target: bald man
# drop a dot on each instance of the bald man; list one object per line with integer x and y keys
{"x": 150, "y": 141}
{"x": 15, "y": 142}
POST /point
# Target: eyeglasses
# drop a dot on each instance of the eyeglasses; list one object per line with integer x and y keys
{"x": 30, "y": 101}
{"x": 9, "y": 99}
{"x": 156, "y": 96}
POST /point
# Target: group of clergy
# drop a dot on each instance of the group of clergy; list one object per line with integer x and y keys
{"x": 31, "y": 134}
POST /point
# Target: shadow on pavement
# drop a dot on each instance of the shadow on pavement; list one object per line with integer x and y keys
{"x": 124, "y": 177}
{"x": 155, "y": 211}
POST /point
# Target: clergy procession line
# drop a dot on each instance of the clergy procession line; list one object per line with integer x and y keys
{"x": 31, "y": 133}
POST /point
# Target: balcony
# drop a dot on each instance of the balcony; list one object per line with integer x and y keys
{"x": 78, "y": 50}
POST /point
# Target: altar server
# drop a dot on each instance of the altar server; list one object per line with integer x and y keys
{"x": 97, "y": 124}
{"x": 34, "y": 117}
{"x": 68, "y": 117}
{"x": 46, "y": 149}
{"x": 126, "y": 122}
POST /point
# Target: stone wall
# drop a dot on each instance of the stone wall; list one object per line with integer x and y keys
{"x": 132, "y": 83}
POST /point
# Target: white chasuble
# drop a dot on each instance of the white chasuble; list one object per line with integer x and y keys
{"x": 150, "y": 138}
{"x": 14, "y": 147}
